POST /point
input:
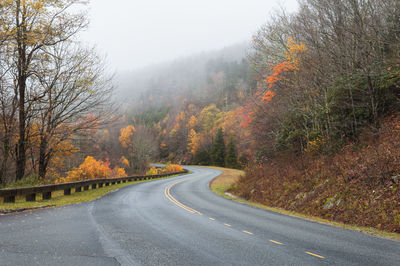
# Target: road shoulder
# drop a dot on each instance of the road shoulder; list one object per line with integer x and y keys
{"x": 221, "y": 184}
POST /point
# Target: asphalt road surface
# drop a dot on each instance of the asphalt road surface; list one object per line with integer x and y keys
{"x": 179, "y": 221}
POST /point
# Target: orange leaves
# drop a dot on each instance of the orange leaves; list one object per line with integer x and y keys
{"x": 93, "y": 169}
{"x": 173, "y": 168}
{"x": 126, "y": 136}
{"x": 124, "y": 162}
{"x": 278, "y": 70}
{"x": 89, "y": 169}
{"x": 293, "y": 61}
{"x": 268, "y": 96}
{"x": 294, "y": 50}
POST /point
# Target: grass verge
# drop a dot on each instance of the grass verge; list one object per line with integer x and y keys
{"x": 229, "y": 177}
{"x": 58, "y": 198}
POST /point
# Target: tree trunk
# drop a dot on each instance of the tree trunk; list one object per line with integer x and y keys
{"x": 3, "y": 167}
{"x": 43, "y": 158}
{"x": 21, "y": 146}
{"x": 22, "y": 77}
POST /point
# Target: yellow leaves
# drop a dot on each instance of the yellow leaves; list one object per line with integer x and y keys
{"x": 294, "y": 50}
{"x": 315, "y": 145}
{"x": 89, "y": 169}
{"x": 193, "y": 121}
{"x": 126, "y": 136}
{"x": 194, "y": 141}
{"x": 153, "y": 171}
{"x": 173, "y": 168}
{"x": 209, "y": 116}
{"x": 169, "y": 168}
{"x": 181, "y": 116}
{"x": 124, "y": 162}
{"x": 118, "y": 172}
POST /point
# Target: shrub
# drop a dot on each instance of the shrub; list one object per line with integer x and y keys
{"x": 90, "y": 169}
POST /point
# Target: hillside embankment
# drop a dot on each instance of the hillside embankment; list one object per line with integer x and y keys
{"x": 359, "y": 185}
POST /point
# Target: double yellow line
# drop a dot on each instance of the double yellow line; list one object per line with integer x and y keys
{"x": 167, "y": 194}
{"x": 173, "y": 200}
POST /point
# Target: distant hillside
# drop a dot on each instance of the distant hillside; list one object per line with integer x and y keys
{"x": 182, "y": 76}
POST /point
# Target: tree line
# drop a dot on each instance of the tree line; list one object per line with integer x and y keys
{"x": 313, "y": 81}
{"x": 52, "y": 88}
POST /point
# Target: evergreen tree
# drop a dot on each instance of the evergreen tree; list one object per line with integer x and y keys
{"x": 218, "y": 149}
{"x": 202, "y": 158}
{"x": 231, "y": 160}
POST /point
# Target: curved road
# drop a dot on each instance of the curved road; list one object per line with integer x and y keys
{"x": 179, "y": 221}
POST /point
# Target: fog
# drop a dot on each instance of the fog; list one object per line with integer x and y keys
{"x": 134, "y": 34}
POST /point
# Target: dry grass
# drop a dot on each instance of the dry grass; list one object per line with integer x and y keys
{"x": 58, "y": 198}
{"x": 228, "y": 179}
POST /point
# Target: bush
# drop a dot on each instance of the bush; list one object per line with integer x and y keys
{"x": 169, "y": 168}
{"x": 358, "y": 185}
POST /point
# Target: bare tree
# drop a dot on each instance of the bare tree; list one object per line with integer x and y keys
{"x": 31, "y": 27}
{"x": 76, "y": 93}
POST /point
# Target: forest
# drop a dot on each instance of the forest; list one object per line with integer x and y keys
{"x": 309, "y": 107}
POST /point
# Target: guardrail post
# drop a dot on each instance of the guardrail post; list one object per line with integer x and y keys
{"x": 78, "y": 189}
{"x": 94, "y": 186}
{"x": 9, "y": 199}
{"x": 67, "y": 191}
{"x": 30, "y": 197}
{"x": 46, "y": 195}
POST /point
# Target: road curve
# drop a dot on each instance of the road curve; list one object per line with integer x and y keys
{"x": 179, "y": 221}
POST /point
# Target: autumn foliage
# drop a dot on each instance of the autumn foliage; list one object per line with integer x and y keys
{"x": 169, "y": 168}
{"x": 359, "y": 185}
{"x": 93, "y": 169}
{"x": 294, "y": 50}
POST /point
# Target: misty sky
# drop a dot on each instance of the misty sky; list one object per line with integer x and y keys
{"x": 136, "y": 33}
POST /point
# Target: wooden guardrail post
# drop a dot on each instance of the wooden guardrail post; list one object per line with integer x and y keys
{"x": 46, "y": 195}
{"x": 9, "y": 195}
{"x": 30, "y": 197}
{"x": 9, "y": 199}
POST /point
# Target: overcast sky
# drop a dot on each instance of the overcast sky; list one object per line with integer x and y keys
{"x": 137, "y": 33}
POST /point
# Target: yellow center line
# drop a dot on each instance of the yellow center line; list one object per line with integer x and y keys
{"x": 228, "y": 225}
{"x": 247, "y": 232}
{"x": 275, "y": 242}
{"x": 168, "y": 195}
{"x": 315, "y": 255}
{"x": 212, "y": 219}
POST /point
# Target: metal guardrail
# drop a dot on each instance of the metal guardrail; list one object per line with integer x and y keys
{"x": 30, "y": 193}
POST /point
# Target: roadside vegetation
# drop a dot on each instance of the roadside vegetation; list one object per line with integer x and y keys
{"x": 58, "y": 199}
{"x": 229, "y": 178}
{"x": 312, "y": 114}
